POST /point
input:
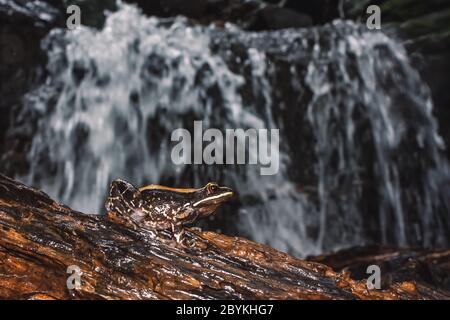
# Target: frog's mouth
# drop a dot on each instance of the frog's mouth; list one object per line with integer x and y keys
{"x": 209, "y": 205}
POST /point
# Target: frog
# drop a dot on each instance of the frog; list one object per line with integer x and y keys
{"x": 156, "y": 207}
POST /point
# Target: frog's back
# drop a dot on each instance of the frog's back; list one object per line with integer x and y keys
{"x": 164, "y": 197}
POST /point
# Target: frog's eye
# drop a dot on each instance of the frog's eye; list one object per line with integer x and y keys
{"x": 211, "y": 188}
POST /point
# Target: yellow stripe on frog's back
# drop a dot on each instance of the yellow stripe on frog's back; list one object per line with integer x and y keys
{"x": 158, "y": 187}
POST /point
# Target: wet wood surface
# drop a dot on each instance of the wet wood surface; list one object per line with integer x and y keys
{"x": 428, "y": 269}
{"x": 40, "y": 239}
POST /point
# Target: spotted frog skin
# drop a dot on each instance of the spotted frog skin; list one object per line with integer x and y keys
{"x": 157, "y": 207}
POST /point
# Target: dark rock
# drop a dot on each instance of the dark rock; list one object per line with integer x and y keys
{"x": 92, "y": 12}
{"x": 194, "y": 8}
{"x": 152, "y": 7}
{"x": 253, "y": 14}
{"x": 239, "y": 12}
{"x": 424, "y": 27}
{"x": 22, "y": 26}
{"x": 428, "y": 41}
{"x": 275, "y": 18}
{"x": 321, "y": 11}
{"x": 40, "y": 14}
{"x": 394, "y": 10}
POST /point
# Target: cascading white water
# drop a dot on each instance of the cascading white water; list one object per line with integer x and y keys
{"x": 114, "y": 96}
{"x": 102, "y": 74}
{"x": 383, "y": 90}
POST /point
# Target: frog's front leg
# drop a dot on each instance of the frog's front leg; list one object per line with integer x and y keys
{"x": 178, "y": 233}
{"x": 185, "y": 242}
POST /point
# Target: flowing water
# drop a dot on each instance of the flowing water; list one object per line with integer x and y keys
{"x": 360, "y": 154}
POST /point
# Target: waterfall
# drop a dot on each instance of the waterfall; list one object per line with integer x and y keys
{"x": 360, "y": 152}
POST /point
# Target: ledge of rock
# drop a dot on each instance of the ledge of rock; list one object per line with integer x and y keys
{"x": 40, "y": 239}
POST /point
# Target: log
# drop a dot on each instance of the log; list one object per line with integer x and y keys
{"x": 429, "y": 269}
{"x": 40, "y": 239}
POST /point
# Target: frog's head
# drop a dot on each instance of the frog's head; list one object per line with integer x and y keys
{"x": 207, "y": 199}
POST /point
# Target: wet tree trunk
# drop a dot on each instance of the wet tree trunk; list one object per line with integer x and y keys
{"x": 40, "y": 239}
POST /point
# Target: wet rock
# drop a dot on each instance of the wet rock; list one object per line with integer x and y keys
{"x": 22, "y": 26}
{"x": 195, "y": 8}
{"x": 239, "y": 12}
{"x": 251, "y": 15}
{"x": 320, "y": 11}
{"x": 93, "y": 13}
{"x": 40, "y": 239}
{"x": 40, "y": 14}
{"x": 289, "y": 63}
{"x": 394, "y": 10}
{"x": 423, "y": 26}
{"x": 276, "y": 18}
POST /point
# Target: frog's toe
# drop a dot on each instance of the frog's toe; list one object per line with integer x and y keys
{"x": 184, "y": 242}
{"x": 179, "y": 236}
